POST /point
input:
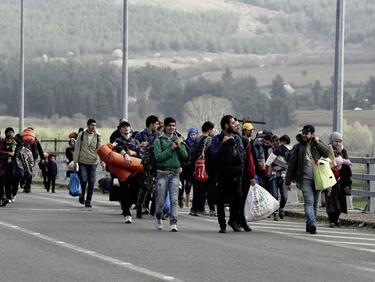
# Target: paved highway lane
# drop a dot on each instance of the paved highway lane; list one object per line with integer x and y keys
{"x": 50, "y": 237}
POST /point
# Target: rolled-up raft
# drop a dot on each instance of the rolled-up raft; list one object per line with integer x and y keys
{"x": 116, "y": 163}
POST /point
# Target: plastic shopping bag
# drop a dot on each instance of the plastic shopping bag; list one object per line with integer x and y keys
{"x": 323, "y": 175}
{"x": 259, "y": 204}
{"x": 74, "y": 185}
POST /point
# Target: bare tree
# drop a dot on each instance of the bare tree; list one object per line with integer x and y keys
{"x": 206, "y": 107}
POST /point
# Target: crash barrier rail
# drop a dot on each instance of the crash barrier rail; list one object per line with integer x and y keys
{"x": 369, "y": 178}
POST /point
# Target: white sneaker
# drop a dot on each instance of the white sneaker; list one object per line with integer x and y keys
{"x": 128, "y": 219}
{"x": 159, "y": 224}
{"x": 174, "y": 228}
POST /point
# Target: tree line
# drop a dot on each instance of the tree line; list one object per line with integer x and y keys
{"x": 71, "y": 87}
{"x": 94, "y": 26}
{"x": 68, "y": 88}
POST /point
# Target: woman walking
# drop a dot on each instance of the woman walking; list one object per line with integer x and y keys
{"x": 336, "y": 196}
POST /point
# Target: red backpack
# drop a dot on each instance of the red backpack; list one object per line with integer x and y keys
{"x": 200, "y": 172}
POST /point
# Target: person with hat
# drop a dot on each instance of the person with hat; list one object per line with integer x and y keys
{"x": 117, "y": 134}
{"x": 300, "y": 170}
{"x": 128, "y": 147}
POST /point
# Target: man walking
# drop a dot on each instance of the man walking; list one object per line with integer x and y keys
{"x": 88, "y": 141}
{"x": 146, "y": 139}
{"x": 227, "y": 149}
{"x": 169, "y": 152}
{"x": 300, "y": 169}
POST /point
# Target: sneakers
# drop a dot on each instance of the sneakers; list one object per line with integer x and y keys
{"x": 174, "y": 228}
{"x": 128, "y": 219}
{"x": 159, "y": 224}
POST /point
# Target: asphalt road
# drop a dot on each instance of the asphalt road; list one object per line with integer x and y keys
{"x": 51, "y": 237}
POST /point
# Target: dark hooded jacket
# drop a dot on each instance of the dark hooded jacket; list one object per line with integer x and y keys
{"x": 297, "y": 159}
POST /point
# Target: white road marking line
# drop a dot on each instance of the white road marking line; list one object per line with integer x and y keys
{"x": 332, "y": 243}
{"x": 320, "y": 228}
{"x": 363, "y": 268}
{"x": 307, "y": 237}
{"x": 108, "y": 259}
{"x": 326, "y": 235}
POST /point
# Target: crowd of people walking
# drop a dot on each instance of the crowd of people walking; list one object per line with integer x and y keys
{"x": 204, "y": 171}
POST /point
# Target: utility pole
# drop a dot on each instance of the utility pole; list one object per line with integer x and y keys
{"x": 338, "y": 98}
{"x": 125, "y": 74}
{"x": 22, "y": 75}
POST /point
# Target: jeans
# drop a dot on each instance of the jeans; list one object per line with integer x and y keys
{"x": 277, "y": 186}
{"x": 310, "y": 198}
{"x": 87, "y": 174}
{"x": 167, "y": 182}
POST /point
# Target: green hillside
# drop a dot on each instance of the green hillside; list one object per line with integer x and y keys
{"x": 55, "y": 27}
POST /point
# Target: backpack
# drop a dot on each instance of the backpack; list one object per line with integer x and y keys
{"x": 97, "y": 139}
{"x": 200, "y": 172}
{"x": 149, "y": 166}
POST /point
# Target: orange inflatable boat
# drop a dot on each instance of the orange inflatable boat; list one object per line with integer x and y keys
{"x": 116, "y": 163}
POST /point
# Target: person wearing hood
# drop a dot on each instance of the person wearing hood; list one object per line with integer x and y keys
{"x": 300, "y": 170}
{"x": 336, "y": 195}
{"x": 169, "y": 151}
{"x": 186, "y": 176}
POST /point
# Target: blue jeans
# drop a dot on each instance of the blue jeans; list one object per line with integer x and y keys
{"x": 167, "y": 182}
{"x": 277, "y": 186}
{"x": 87, "y": 174}
{"x": 310, "y": 198}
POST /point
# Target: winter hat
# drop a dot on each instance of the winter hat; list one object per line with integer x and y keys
{"x": 247, "y": 126}
{"x": 8, "y": 130}
{"x": 334, "y": 137}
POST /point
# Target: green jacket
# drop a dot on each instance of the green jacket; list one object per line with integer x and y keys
{"x": 166, "y": 158}
{"x": 297, "y": 159}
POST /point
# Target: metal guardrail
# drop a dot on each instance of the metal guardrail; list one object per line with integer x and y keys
{"x": 369, "y": 178}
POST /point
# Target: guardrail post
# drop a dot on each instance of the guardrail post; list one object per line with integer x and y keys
{"x": 371, "y": 187}
{"x": 55, "y": 145}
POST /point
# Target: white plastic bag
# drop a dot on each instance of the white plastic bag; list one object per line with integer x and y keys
{"x": 259, "y": 204}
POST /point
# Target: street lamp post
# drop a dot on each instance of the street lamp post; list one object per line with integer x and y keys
{"x": 22, "y": 74}
{"x": 338, "y": 96}
{"x": 125, "y": 75}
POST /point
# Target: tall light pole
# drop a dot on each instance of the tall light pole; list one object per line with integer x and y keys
{"x": 22, "y": 75}
{"x": 125, "y": 75}
{"x": 338, "y": 96}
